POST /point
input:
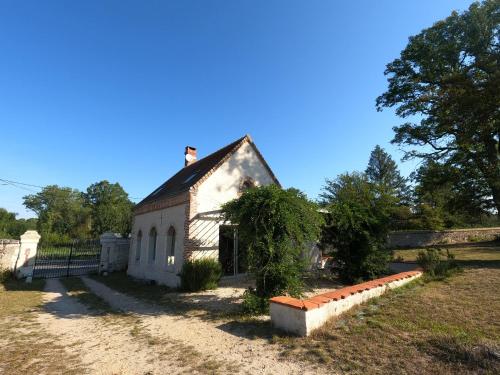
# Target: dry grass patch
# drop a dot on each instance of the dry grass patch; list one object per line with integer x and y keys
{"x": 26, "y": 347}
{"x": 446, "y": 327}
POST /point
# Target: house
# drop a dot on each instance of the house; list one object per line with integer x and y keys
{"x": 181, "y": 219}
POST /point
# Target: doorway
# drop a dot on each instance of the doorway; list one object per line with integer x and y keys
{"x": 232, "y": 252}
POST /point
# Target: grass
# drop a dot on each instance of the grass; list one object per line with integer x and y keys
{"x": 447, "y": 327}
{"x": 26, "y": 348}
{"x": 484, "y": 252}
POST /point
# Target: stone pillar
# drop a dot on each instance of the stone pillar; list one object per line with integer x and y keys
{"x": 114, "y": 252}
{"x": 27, "y": 254}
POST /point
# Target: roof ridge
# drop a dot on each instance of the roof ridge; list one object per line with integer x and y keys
{"x": 187, "y": 177}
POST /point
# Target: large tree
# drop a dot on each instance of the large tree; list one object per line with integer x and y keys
{"x": 383, "y": 171}
{"x": 447, "y": 196}
{"x": 447, "y": 83}
{"x": 110, "y": 208}
{"x": 61, "y": 214}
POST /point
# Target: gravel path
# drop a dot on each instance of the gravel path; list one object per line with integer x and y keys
{"x": 142, "y": 338}
{"x": 254, "y": 356}
{"x": 102, "y": 346}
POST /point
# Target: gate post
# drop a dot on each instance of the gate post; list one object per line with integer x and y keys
{"x": 27, "y": 253}
{"x": 114, "y": 252}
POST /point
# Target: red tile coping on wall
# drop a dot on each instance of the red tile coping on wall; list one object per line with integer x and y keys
{"x": 335, "y": 295}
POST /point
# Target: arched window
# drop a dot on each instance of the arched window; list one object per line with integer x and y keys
{"x": 170, "y": 245}
{"x": 152, "y": 245}
{"x": 138, "y": 245}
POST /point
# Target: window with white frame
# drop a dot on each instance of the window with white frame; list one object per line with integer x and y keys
{"x": 170, "y": 249}
{"x": 153, "y": 236}
{"x": 138, "y": 245}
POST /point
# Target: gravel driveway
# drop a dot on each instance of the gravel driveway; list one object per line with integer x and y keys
{"x": 144, "y": 338}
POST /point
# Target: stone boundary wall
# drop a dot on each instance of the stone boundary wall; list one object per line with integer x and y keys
{"x": 423, "y": 238}
{"x": 19, "y": 256}
{"x": 9, "y": 251}
{"x": 301, "y": 317}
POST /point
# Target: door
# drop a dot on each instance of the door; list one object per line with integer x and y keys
{"x": 232, "y": 254}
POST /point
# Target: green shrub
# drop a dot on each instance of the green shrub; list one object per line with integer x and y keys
{"x": 434, "y": 264}
{"x": 253, "y": 304}
{"x": 5, "y": 275}
{"x": 200, "y": 274}
{"x": 275, "y": 226}
{"x": 357, "y": 226}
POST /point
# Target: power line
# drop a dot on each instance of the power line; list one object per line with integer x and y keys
{"x": 23, "y": 184}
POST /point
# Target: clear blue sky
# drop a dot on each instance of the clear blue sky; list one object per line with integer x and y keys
{"x": 93, "y": 90}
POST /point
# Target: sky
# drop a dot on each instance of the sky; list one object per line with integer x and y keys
{"x": 114, "y": 90}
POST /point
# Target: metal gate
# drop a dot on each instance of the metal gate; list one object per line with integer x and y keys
{"x": 67, "y": 259}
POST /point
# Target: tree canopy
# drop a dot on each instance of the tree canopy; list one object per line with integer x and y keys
{"x": 65, "y": 213}
{"x": 110, "y": 208}
{"x": 447, "y": 83}
{"x": 383, "y": 171}
{"x": 11, "y": 227}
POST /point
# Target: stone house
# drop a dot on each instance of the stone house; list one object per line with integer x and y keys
{"x": 181, "y": 219}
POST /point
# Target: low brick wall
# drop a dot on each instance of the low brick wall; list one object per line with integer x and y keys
{"x": 422, "y": 238}
{"x": 301, "y": 317}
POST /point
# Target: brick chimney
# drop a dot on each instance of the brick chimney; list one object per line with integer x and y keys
{"x": 189, "y": 156}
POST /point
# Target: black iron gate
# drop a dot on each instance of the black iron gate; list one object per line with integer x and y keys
{"x": 67, "y": 259}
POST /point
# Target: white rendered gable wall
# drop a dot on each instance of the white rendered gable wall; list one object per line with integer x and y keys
{"x": 221, "y": 187}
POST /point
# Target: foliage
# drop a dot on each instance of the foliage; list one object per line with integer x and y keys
{"x": 65, "y": 213}
{"x": 447, "y": 79}
{"x": 5, "y": 275}
{"x": 383, "y": 171}
{"x": 275, "y": 225}
{"x": 60, "y": 211}
{"x": 110, "y": 208}
{"x": 432, "y": 262}
{"x": 11, "y": 227}
{"x": 447, "y": 196}
{"x": 357, "y": 226}
{"x": 200, "y": 274}
{"x": 254, "y": 304}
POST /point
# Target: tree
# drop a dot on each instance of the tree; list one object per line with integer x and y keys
{"x": 383, "y": 172}
{"x": 11, "y": 226}
{"x": 110, "y": 208}
{"x": 448, "y": 196}
{"x": 447, "y": 80}
{"x": 61, "y": 214}
{"x": 357, "y": 226}
{"x": 276, "y": 225}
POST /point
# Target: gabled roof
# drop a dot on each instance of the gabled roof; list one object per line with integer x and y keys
{"x": 189, "y": 176}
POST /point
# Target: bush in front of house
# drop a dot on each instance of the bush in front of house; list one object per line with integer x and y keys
{"x": 254, "y": 304}
{"x": 5, "y": 275}
{"x": 200, "y": 274}
{"x": 435, "y": 264}
{"x": 357, "y": 225}
{"x": 274, "y": 225}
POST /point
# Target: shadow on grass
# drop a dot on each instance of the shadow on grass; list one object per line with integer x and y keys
{"x": 451, "y": 350}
